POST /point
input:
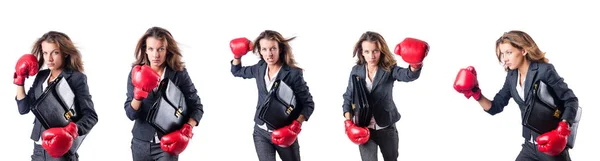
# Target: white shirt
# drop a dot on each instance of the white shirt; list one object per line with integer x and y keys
{"x": 519, "y": 87}
{"x": 521, "y": 91}
{"x": 156, "y": 139}
{"x": 369, "y": 84}
{"x": 268, "y": 84}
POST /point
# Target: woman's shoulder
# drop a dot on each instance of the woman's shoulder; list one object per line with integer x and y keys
{"x": 545, "y": 68}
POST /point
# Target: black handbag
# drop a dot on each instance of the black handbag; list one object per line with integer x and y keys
{"x": 279, "y": 109}
{"x": 169, "y": 111}
{"x": 56, "y": 107}
{"x": 360, "y": 103}
{"x": 543, "y": 114}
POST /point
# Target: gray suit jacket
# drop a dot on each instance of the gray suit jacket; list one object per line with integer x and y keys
{"x": 142, "y": 129}
{"x": 83, "y": 101}
{"x": 291, "y": 76}
{"x": 381, "y": 99}
{"x": 547, "y": 74}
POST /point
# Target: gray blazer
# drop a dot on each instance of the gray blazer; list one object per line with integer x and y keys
{"x": 547, "y": 74}
{"x": 83, "y": 100}
{"x": 141, "y": 128}
{"x": 381, "y": 98}
{"x": 291, "y": 76}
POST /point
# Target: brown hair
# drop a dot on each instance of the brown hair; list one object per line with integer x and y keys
{"x": 173, "y": 59}
{"x": 65, "y": 45}
{"x": 386, "y": 60}
{"x": 285, "y": 50}
{"x": 521, "y": 41}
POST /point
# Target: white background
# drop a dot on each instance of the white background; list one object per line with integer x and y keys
{"x": 437, "y": 122}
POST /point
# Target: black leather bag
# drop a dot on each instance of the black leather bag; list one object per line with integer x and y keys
{"x": 56, "y": 107}
{"x": 542, "y": 114}
{"x": 279, "y": 109}
{"x": 169, "y": 112}
{"x": 360, "y": 103}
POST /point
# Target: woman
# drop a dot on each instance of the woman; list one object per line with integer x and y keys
{"x": 276, "y": 63}
{"x": 377, "y": 66}
{"x": 524, "y": 61}
{"x": 63, "y": 59}
{"x": 157, "y": 58}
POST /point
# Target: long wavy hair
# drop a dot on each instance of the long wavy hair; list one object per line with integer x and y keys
{"x": 285, "y": 50}
{"x": 386, "y": 60}
{"x": 522, "y": 41}
{"x": 72, "y": 56}
{"x": 173, "y": 59}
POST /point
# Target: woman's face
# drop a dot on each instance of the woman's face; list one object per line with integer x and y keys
{"x": 53, "y": 57}
{"x": 370, "y": 52}
{"x": 511, "y": 57}
{"x": 156, "y": 50}
{"x": 269, "y": 50}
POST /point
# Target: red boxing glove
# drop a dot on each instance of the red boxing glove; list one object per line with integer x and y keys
{"x": 174, "y": 143}
{"x": 358, "y": 135}
{"x": 26, "y": 66}
{"x": 286, "y": 136}
{"x": 240, "y": 46}
{"x": 144, "y": 79}
{"x": 554, "y": 142}
{"x": 467, "y": 84}
{"x": 57, "y": 141}
{"x": 412, "y": 51}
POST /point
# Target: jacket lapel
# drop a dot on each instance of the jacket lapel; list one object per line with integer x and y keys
{"x": 378, "y": 76}
{"x": 261, "y": 77}
{"x": 529, "y": 79}
{"x": 66, "y": 73}
{"x": 513, "y": 81}
{"x": 362, "y": 72}
{"x": 39, "y": 88}
{"x": 284, "y": 71}
{"x": 169, "y": 74}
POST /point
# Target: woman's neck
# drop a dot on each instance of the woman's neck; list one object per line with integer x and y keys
{"x": 158, "y": 69}
{"x": 275, "y": 66}
{"x": 524, "y": 67}
{"x": 55, "y": 72}
{"x": 372, "y": 68}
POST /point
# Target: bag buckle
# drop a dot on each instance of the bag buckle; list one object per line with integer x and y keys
{"x": 289, "y": 110}
{"x": 557, "y": 113}
{"x": 178, "y": 112}
{"x": 68, "y": 115}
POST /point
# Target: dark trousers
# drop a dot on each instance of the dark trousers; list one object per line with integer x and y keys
{"x": 40, "y": 154}
{"x": 265, "y": 149}
{"x": 386, "y": 139}
{"x": 531, "y": 153}
{"x": 149, "y": 151}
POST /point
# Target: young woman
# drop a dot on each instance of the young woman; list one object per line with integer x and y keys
{"x": 157, "y": 58}
{"x": 523, "y": 60}
{"x": 56, "y": 51}
{"x": 377, "y": 66}
{"x": 277, "y": 62}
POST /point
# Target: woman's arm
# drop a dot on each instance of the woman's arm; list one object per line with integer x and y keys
{"x": 132, "y": 106}
{"x": 563, "y": 93}
{"x": 89, "y": 118}
{"x": 500, "y": 100}
{"x": 24, "y": 100}
{"x": 303, "y": 97}
{"x": 192, "y": 100}
{"x": 405, "y": 74}
{"x": 347, "y": 105}
{"x": 245, "y": 72}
